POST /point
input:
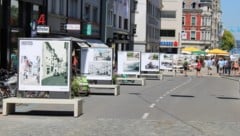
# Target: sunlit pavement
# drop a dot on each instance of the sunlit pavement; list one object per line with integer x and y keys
{"x": 175, "y": 106}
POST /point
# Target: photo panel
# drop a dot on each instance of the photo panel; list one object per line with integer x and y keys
{"x": 96, "y": 63}
{"x": 128, "y": 62}
{"x": 166, "y": 61}
{"x": 149, "y": 61}
{"x": 44, "y": 65}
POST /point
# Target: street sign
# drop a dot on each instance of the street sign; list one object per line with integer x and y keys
{"x": 72, "y": 26}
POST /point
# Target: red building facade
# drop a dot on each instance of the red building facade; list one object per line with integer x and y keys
{"x": 192, "y": 24}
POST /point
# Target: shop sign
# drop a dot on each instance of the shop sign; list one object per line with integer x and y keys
{"x": 87, "y": 29}
{"x": 42, "y": 29}
{"x": 169, "y": 43}
{"x": 72, "y": 26}
{"x": 184, "y": 35}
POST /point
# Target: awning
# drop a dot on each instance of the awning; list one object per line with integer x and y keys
{"x": 82, "y": 44}
{"x": 96, "y": 43}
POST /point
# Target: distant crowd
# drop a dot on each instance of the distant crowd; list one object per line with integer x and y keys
{"x": 223, "y": 65}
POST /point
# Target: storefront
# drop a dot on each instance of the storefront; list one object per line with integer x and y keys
{"x": 169, "y": 47}
{"x": 16, "y": 17}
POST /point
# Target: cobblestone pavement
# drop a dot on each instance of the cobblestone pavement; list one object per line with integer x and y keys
{"x": 54, "y": 125}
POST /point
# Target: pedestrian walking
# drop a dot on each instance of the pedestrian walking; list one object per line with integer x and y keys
{"x": 14, "y": 61}
{"x": 209, "y": 65}
{"x": 235, "y": 67}
{"x": 221, "y": 65}
{"x": 227, "y": 66}
{"x": 185, "y": 66}
{"x": 198, "y": 68}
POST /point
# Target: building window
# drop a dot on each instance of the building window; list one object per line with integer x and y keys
{"x": 87, "y": 12}
{"x": 73, "y": 8}
{"x": 120, "y": 22}
{"x": 61, "y": 7}
{"x": 183, "y": 5}
{"x": 203, "y": 35}
{"x": 168, "y": 14}
{"x": 14, "y": 13}
{"x": 114, "y": 20}
{"x": 183, "y": 21}
{"x": 35, "y": 12}
{"x": 125, "y": 24}
{"x": 193, "y": 5}
{"x": 167, "y": 33}
{"x": 95, "y": 14}
{"x": 53, "y": 6}
{"x": 110, "y": 17}
{"x": 193, "y": 35}
{"x": 193, "y": 21}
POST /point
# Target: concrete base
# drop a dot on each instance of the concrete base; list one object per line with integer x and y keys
{"x": 159, "y": 76}
{"x": 9, "y": 104}
{"x": 115, "y": 87}
{"x": 118, "y": 79}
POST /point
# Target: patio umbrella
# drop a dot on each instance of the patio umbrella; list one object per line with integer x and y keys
{"x": 199, "y": 52}
{"x": 190, "y": 49}
{"x": 218, "y": 52}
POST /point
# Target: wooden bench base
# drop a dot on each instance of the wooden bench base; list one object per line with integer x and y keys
{"x": 115, "y": 87}
{"x": 9, "y": 104}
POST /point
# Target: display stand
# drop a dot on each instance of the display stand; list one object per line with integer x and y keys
{"x": 45, "y": 66}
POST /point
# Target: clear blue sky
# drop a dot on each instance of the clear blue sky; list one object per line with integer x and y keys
{"x": 231, "y": 16}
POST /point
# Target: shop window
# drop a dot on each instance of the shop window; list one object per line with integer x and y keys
{"x": 14, "y": 13}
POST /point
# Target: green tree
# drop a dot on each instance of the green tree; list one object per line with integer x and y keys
{"x": 228, "y": 41}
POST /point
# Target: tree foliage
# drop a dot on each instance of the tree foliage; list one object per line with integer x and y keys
{"x": 228, "y": 40}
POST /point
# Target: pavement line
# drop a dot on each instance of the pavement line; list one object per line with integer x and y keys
{"x": 145, "y": 115}
{"x": 152, "y": 105}
{"x": 161, "y": 97}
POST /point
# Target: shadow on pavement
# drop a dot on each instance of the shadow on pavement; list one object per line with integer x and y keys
{"x": 45, "y": 113}
{"x": 229, "y": 98}
{"x": 177, "y": 95}
{"x": 93, "y": 93}
{"x": 135, "y": 93}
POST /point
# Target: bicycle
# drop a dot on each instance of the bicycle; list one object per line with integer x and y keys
{"x": 4, "y": 92}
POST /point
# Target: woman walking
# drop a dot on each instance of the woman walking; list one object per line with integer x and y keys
{"x": 198, "y": 68}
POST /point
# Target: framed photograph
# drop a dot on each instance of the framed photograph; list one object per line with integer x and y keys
{"x": 96, "y": 63}
{"x": 44, "y": 65}
{"x": 166, "y": 61}
{"x": 149, "y": 61}
{"x": 128, "y": 63}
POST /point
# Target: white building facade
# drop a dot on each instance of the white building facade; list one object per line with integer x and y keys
{"x": 171, "y": 26}
{"x": 147, "y": 20}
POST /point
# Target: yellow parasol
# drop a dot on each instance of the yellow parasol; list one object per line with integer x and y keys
{"x": 190, "y": 49}
{"x": 218, "y": 52}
